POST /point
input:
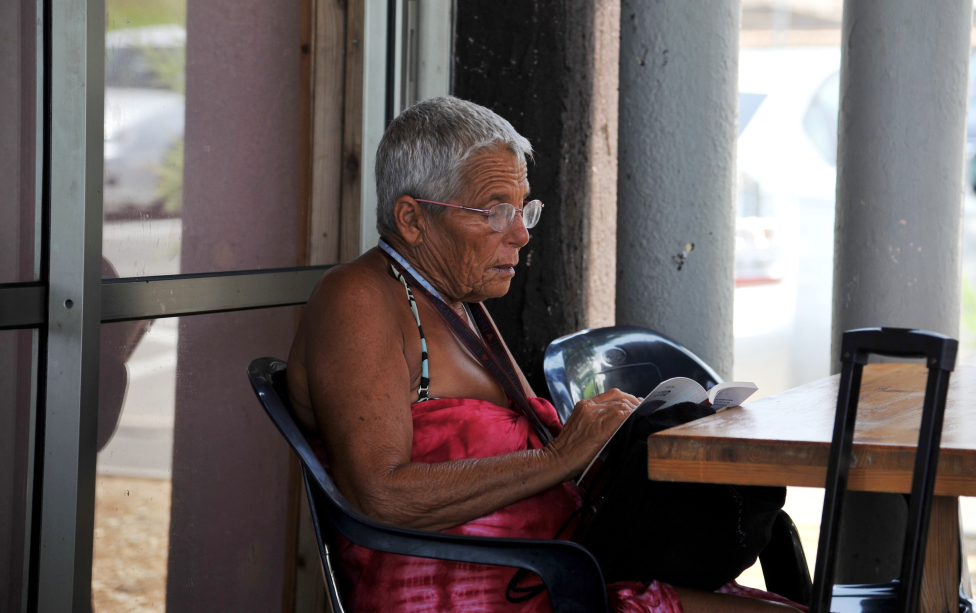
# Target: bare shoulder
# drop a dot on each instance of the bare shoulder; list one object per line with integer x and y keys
{"x": 352, "y": 302}
{"x": 360, "y": 284}
{"x": 352, "y": 320}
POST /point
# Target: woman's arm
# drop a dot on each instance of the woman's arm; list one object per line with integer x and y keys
{"x": 360, "y": 387}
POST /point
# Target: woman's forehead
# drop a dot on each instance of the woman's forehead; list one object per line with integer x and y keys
{"x": 498, "y": 175}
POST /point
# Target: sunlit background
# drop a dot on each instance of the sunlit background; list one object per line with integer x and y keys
{"x": 790, "y": 54}
{"x": 790, "y": 58}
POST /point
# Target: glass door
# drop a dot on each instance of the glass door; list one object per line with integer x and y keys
{"x": 156, "y": 226}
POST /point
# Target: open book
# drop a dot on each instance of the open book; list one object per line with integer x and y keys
{"x": 668, "y": 393}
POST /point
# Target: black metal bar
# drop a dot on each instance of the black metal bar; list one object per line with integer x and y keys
{"x": 838, "y": 469}
{"x": 198, "y": 294}
{"x": 391, "y": 41}
{"x": 923, "y": 487}
{"x": 37, "y": 500}
{"x": 23, "y": 305}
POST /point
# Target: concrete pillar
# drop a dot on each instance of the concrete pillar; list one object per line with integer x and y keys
{"x": 904, "y": 74}
{"x": 675, "y": 211}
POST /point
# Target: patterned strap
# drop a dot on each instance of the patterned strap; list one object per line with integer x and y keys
{"x": 490, "y": 354}
{"x": 423, "y": 392}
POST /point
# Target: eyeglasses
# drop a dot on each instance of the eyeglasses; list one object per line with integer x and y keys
{"x": 501, "y": 216}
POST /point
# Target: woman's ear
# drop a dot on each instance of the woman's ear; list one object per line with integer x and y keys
{"x": 411, "y": 220}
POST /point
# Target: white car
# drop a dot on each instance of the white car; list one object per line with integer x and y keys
{"x": 144, "y": 116}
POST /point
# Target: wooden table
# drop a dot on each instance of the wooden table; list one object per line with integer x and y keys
{"x": 784, "y": 440}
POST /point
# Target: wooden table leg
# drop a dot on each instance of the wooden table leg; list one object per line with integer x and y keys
{"x": 940, "y": 577}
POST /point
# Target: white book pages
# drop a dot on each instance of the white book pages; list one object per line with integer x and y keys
{"x": 731, "y": 394}
{"x": 673, "y": 391}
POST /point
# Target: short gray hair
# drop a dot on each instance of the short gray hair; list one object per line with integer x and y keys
{"x": 423, "y": 153}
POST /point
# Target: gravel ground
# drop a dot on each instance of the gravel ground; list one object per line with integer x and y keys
{"x": 131, "y": 545}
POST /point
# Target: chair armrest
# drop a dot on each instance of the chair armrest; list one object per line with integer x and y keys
{"x": 571, "y": 574}
{"x": 784, "y": 564}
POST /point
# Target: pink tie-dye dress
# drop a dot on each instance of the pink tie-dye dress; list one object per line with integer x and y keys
{"x": 457, "y": 428}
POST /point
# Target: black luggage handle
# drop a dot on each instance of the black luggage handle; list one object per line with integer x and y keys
{"x": 939, "y": 353}
{"x": 938, "y": 350}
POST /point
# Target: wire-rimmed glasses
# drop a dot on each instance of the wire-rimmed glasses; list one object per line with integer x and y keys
{"x": 501, "y": 216}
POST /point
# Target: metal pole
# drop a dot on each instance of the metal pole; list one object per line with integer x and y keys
{"x": 676, "y": 215}
{"x": 69, "y": 421}
{"x": 904, "y": 75}
{"x": 835, "y": 490}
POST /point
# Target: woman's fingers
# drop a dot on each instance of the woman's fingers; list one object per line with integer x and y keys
{"x": 591, "y": 424}
{"x": 614, "y": 394}
{"x": 612, "y": 406}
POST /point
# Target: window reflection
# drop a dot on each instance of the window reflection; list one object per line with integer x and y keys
{"x": 144, "y": 121}
{"x": 145, "y": 117}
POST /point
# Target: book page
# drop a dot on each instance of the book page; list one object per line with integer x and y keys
{"x": 673, "y": 391}
{"x": 731, "y": 394}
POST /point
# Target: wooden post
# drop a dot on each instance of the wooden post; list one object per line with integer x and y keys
{"x": 940, "y": 576}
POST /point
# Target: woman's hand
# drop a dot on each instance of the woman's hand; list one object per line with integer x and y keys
{"x": 591, "y": 424}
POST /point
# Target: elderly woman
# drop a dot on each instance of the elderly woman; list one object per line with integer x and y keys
{"x": 427, "y": 422}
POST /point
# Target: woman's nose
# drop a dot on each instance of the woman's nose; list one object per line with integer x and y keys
{"x": 518, "y": 234}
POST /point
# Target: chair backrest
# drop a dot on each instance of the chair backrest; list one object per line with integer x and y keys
{"x": 630, "y": 358}
{"x": 268, "y": 378}
{"x": 569, "y": 571}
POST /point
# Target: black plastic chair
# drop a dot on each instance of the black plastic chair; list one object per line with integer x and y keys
{"x": 570, "y": 573}
{"x": 635, "y": 360}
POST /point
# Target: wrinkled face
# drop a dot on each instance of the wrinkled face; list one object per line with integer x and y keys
{"x": 474, "y": 262}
